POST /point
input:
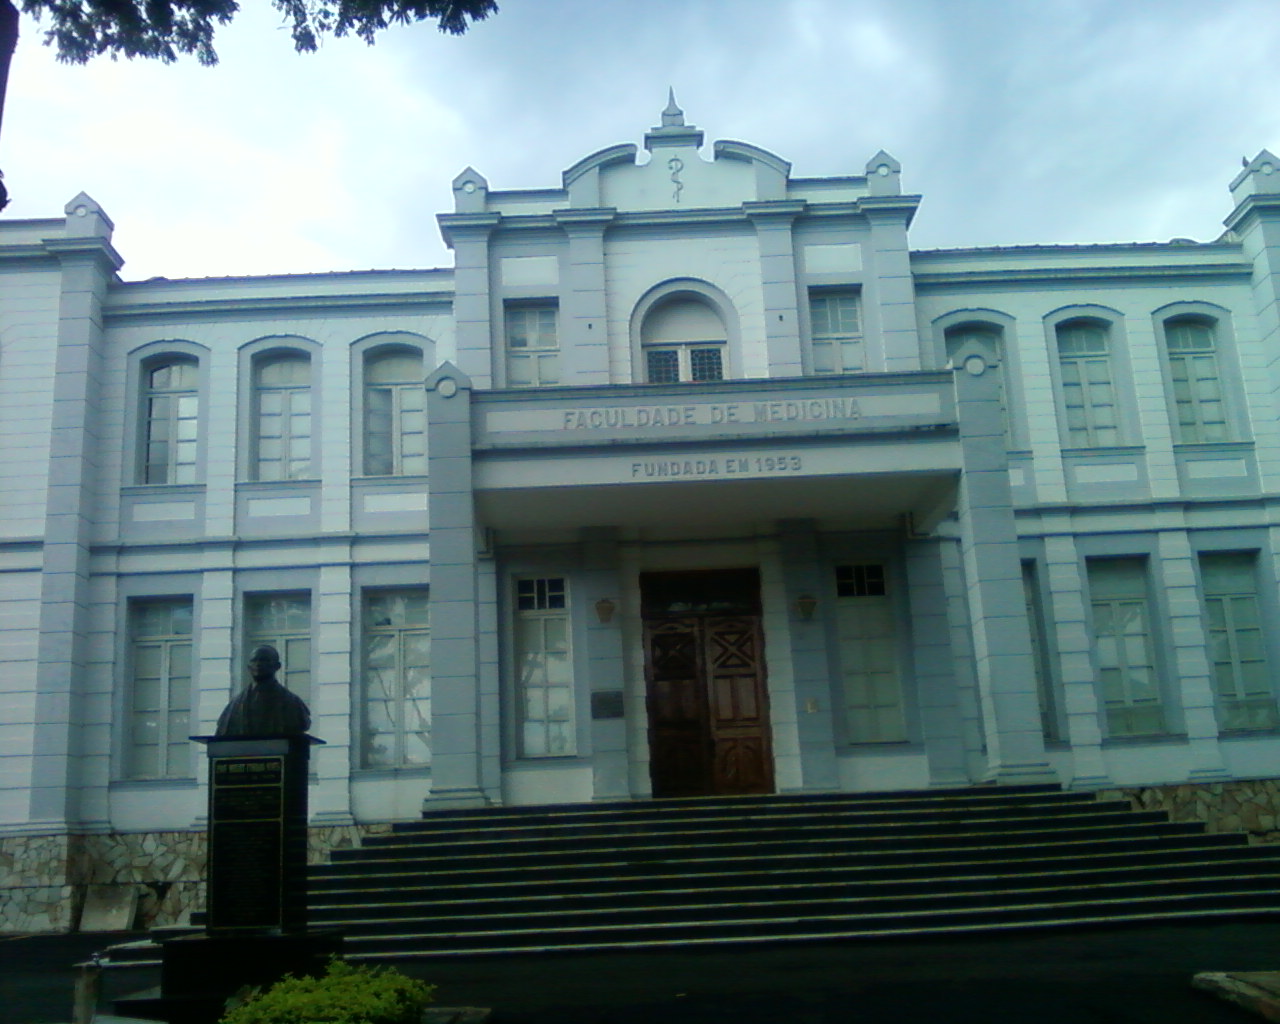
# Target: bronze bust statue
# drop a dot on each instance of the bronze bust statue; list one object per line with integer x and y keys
{"x": 264, "y": 707}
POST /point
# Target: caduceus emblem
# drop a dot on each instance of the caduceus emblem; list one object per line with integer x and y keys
{"x": 676, "y": 165}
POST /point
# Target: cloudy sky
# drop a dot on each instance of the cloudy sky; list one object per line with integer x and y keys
{"x": 1020, "y": 121}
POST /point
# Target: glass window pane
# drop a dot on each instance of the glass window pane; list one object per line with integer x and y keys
{"x": 663, "y": 366}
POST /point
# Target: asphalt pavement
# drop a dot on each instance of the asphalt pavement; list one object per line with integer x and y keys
{"x": 1116, "y": 975}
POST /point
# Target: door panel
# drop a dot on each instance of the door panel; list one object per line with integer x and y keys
{"x": 708, "y": 708}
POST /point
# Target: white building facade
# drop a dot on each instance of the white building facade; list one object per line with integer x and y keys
{"x": 688, "y": 478}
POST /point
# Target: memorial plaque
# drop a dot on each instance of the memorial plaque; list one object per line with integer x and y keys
{"x": 247, "y": 841}
{"x": 607, "y": 704}
{"x": 257, "y": 833}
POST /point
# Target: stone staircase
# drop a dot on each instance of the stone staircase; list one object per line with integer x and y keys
{"x": 778, "y": 868}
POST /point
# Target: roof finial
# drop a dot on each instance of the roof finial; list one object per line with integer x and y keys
{"x": 673, "y": 116}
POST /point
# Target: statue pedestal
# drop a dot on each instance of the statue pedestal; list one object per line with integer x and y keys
{"x": 256, "y": 917}
{"x": 257, "y": 875}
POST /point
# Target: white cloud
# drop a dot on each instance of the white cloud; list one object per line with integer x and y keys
{"x": 1046, "y": 121}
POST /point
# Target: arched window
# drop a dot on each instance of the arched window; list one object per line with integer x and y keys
{"x": 282, "y": 417}
{"x": 1191, "y": 348}
{"x": 1088, "y": 392}
{"x": 395, "y": 414}
{"x": 172, "y": 403}
{"x": 683, "y": 340}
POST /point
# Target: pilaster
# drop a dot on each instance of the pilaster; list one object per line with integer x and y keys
{"x": 1075, "y": 657}
{"x": 1176, "y": 580}
{"x": 468, "y": 234}
{"x": 333, "y": 697}
{"x": 601, "y": 582}
{"x": 890, "y": 303}
{"x": 802, "y": 577}
{"x": 773, "y": 223}
{"x": 583, "y": 315}
{"x": 934, "y": 664}
{"x": 88, "y": 264}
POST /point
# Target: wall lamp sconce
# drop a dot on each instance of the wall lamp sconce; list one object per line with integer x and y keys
{"x": 604, "y": 610}
{"x": 806, "y": 605}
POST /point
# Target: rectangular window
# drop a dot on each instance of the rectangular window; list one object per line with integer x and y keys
{"x": 544, "y": 668}
{"x": 157, "y": 745}
{"x": 866, "y": 628}
{"x": 670, "y": 365}
{"x": 284, "y": 622}
{"x": 1197, "y": 389}
{"x": 1088, "y": 394}
{"x": 836, "y": 323}
{"x": 1123, "y": 642}
{"x": 533, "y": 347}
{"x": 860, "y": 581}
{"x": 1236, "y": 643}
{"x": 396, "y": 729}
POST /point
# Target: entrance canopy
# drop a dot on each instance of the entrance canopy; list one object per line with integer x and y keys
{"x": 847, "y": 450}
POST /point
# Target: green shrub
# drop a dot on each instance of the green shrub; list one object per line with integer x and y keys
{"x": 345, "y": 994}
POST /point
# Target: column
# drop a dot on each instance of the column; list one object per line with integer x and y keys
{"x": 455, "y": 698}
{"x": 993, "y": 572}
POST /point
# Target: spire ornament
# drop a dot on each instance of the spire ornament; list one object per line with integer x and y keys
{"x": 673, "y": 116}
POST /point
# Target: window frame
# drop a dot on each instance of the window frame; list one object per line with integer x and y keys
{"x": 1227, "y": 359}
{"x": 524, "y": 308}
{"x": 281, "y": 639}
{"x": 398, "y": 758}
{"x": 139, "y": 363}
{"x": 260, "y": 362}
{"x": 1251, "y": 561}
{"x": 836, "y": 338}
{"x": 134, "y": 641}
{"x": 549, "y": 611}
{"x": 852, "y": 578}
{"x": 684, "y": 353}
{"x": 1153, "y": 646}
{"x": 684, "y": 288}
{"x": 1088, "y": 408}
{"x": 397, "y": 433}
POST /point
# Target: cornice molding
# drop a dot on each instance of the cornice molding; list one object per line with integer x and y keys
{"x": 1035, "y": 275}
{"x": 1253, "y": 205}
{"x": 98, "y": 249}
{"x": 242, "y": 309}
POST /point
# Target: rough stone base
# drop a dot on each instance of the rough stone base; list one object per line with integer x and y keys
{"x": 1251, "y": 806}
{"x": 43, "y": 878}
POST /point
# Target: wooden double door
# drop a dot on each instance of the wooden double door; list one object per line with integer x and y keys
{"x": 707, "y": 698}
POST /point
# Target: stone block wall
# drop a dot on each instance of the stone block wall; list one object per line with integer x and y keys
{"x": 1251, "y": 806}
{"x": 43, "y": 878}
